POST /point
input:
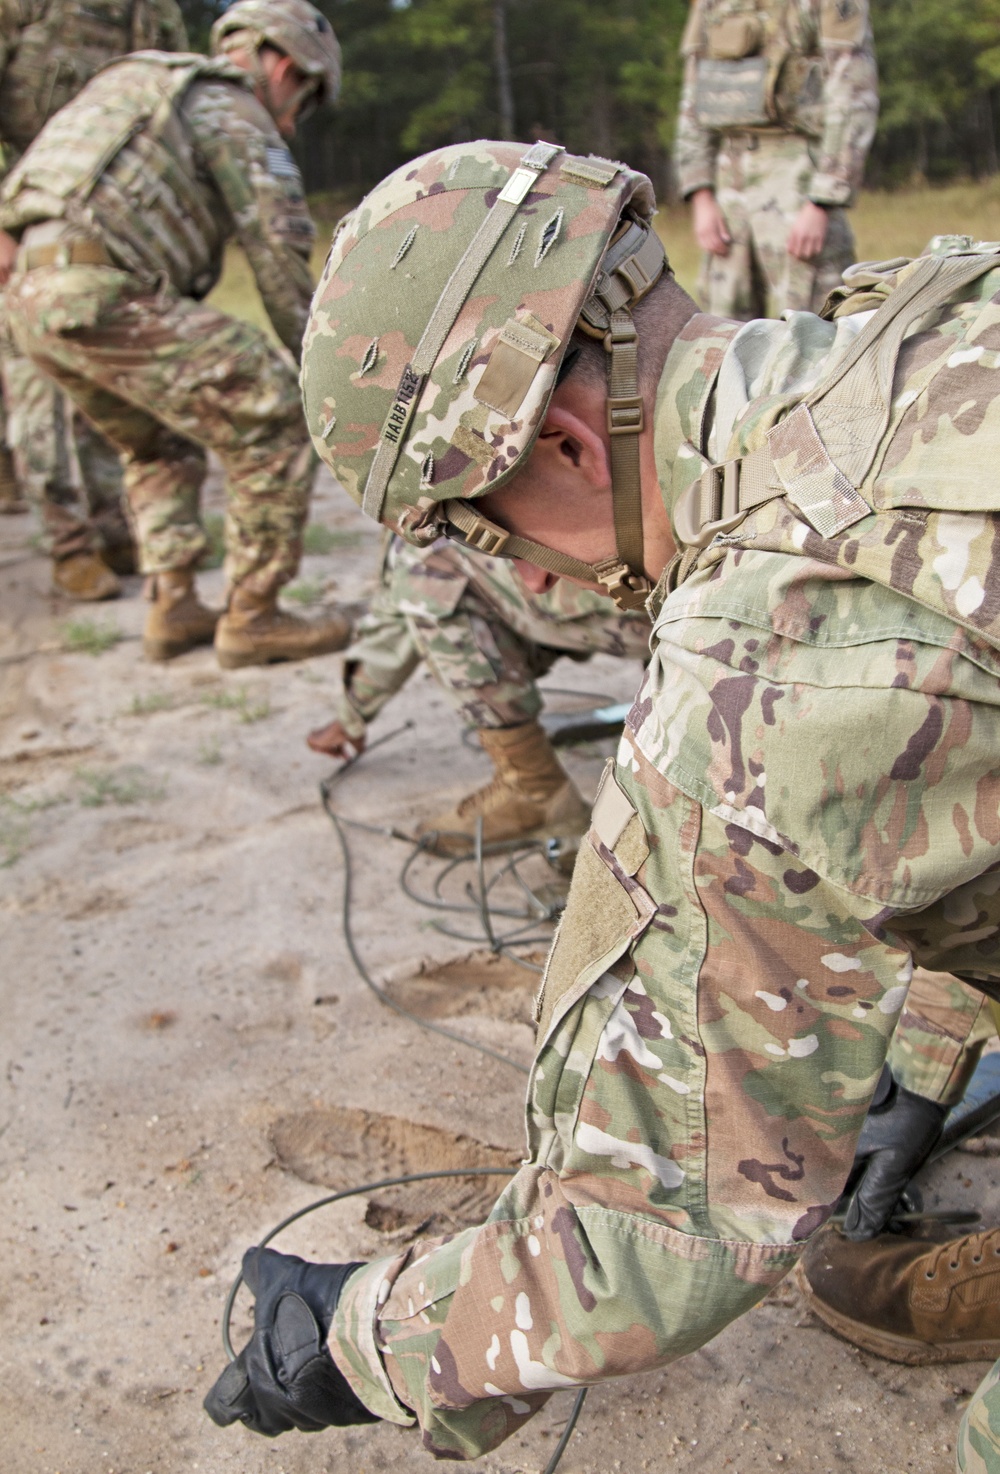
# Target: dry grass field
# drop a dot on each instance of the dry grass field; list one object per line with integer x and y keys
{"x": 885, "y": 224}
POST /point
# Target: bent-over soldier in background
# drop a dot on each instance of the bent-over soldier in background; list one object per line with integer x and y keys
{"x": 486, "y": 639}
{"x": 777, "y": 115}
{"x": 805, "y": 803}
{"x": 49, "y": 50}
{"x": 123, "y": 206}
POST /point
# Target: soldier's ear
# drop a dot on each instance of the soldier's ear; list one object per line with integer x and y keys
{"x": 569, "y": 437}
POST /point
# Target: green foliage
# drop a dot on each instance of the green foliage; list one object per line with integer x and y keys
{"x": 305, "y": 591}
{"x": 215, "y": 530}
{"x": 142, "y": 706}
{"x": 318, "y": 538}
{"x": 88, "y": 637}
{"x": 249, "y": 709}
{"x": 126, "y": 785}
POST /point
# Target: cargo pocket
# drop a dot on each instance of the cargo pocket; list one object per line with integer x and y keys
{"x": 607, "y": 908}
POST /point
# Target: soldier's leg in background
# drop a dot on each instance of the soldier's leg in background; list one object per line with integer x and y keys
{"x": 12, "y": 499}
{"x": 488, "y": 671}
{"x": 775, "y": 194}
{"x": 101, "y": 475}
{"x": 214, "y": 381}
{"x": 979, "y": 1435}
{"x": 701, "y": 1080}
{"x": 730, "y": 286}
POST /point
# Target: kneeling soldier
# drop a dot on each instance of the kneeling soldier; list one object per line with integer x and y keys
{"x": 806, "y": 798}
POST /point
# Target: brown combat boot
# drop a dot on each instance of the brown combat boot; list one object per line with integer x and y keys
{"x": 86, "y": 577}
{"x": 908, "y": 1299}
{"x": 254, "y": 631}
{"x": 11, "y": 497}
{"x": 530, "y": 797}
{"x": 176, "y": 621}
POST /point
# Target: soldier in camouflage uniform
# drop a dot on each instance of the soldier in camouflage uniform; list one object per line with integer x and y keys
{"x": 486, "y": 639}
{"x": 805, "y": 801}
{"x": 776, "y": 119}
{"x": 123, "y": 206}
{"x": 49, "y": 50}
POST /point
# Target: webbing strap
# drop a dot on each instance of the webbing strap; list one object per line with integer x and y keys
{"x": 821, "y": 452}
{"x": 442, "y": 320}
{"x": 487, "y": 537}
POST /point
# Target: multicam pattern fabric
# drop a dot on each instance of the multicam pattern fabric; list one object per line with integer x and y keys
{"x": 941, "y": 1033}
{"x": 162, "y": 377}
{"x": 762, "y": 175}
{"x": 486, "y": 639}
{"x": 842, "y": 119}
{"x": 70, "y": 471}
{"x": 49, "y": 50}
{"x": 979, "y": 1437}
{"x": 760, "y": 183}
{"x": 804, "y": 803}
{"x": 195, "y": 160}
{"x": 159, "y": 374}
{"x": 463, "y": 426}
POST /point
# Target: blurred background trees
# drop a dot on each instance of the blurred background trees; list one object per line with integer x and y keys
{"x": 604, "y": 76}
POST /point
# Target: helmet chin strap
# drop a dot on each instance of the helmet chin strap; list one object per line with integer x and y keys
{"x": 632, "y": 265}
{"x": 262, "y": 82}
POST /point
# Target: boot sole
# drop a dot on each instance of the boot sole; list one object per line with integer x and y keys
{"x": 889, "y": 1346}
{"x": 237, "y": 659}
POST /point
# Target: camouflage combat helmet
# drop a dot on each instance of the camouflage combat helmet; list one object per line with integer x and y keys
{"x": 293, "y": 27}
{"x": 437, "y": 333}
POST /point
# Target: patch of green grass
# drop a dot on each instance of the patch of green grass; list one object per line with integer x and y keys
{"x": 318, "y": 538}
{"x": 143, "y": 705}
{"x": 126, "y": 785}
{"x": 247, "y": 708}
{"x": 305, "y": 591}
{"x": 215, "y": 530}
{"x": 88, "y": 637}
{"x": 210, "y": 752}
{"x": 15, "y": 831}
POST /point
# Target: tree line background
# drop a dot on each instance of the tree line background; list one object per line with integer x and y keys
{"x": 604, "y": 76}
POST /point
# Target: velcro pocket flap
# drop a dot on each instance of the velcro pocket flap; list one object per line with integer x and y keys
{"x": 607, "y": 908}
{"x": 523, "y": 345}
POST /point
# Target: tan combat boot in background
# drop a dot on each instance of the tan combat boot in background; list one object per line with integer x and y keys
{"x": 85, "y": 577}
{"x": 11, "y": 498}
{"x": 254, "y": 631}
{"x": 177, "y": 621}
{"x": 531, "y": 796}
{"x": 908, "y": 1299}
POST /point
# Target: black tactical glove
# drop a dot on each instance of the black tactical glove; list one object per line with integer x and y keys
{"x": 284, "y": 1377}
{"x": 899, "y": 1134}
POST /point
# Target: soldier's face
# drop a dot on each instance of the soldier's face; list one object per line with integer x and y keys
{"x": 288, "y": 89}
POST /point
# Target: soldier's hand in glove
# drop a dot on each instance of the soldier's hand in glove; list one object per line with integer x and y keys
{"x": 899, "y": 1134}
{"x": 284, "y": 1377}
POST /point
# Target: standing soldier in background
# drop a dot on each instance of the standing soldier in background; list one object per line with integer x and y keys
{"x": 123, "y": 206}
{"x": 486, "y": 639}
{"x": 777, "y": 116}
{"x": 49, "y": 50}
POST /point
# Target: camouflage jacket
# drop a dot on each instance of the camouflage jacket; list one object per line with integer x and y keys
{"x": 428, "y": 585}
{"x": 817, "y": 67}
{"x": 50, "y": 49}
{"x": 164, "y": 159}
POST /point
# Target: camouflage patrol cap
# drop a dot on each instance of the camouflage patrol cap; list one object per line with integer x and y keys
{"x": 445, "y": 309}
{"x": 293, "y": 27}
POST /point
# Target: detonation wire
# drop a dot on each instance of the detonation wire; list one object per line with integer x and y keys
{"x": 479, "y": 904}
{"x": 368, "y": 1187}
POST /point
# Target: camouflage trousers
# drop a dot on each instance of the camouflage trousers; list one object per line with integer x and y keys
{"x": 165, "y": 378}
{"x": 761, "y": 183}
{"x": 716, "y": 1010}
{"x": 979, "y": 1437}
{"x": 484, "y": 637}
{"x": 69, "y": 470}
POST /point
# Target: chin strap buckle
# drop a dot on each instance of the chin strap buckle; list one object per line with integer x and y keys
{"x": 628, "y": 589}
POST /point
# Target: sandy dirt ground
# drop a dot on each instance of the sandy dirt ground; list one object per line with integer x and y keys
{"x": 187, "y": 1051}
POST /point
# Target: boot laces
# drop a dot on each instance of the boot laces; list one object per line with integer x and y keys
{"x": 970, "y": 1249}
